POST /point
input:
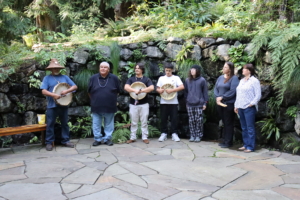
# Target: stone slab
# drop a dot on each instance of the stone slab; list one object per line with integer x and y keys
{"x": 68, "y": 187}
{"x": 186, "y": 196}
{"x": 133, "y": 179}
{"x": 30, "y": 191}
{"x": 180, "y": 184}
{"x": 114, "y": 170}
{"x": 276, "y": 161}
{"x": 39, "y": 180}
{"x": 13, "y": 171}
{"x": 183, "y": 154}
{"x": 86, "y": 190}
{"x": 266, "y": 155}
{"x": 140, "y": 159}
{"x": 289, "y": 168}
{"x": 52, "y": 167}
{"x": 188, "y": 170}
{"x": 246, "y": 195}
{"x": 101, "y": 166}
{"x": 291, "y": 178}
{"x": 129, "y": 152}
{"x": 109, "y": 194}
{"x": 259, "y": 177}
{"x": 8, "y": 165}
{"x": 9, "y": 178}
{"x": 85, "y": 175}
{"x": 290, "y": 193}
{"x": 295, "y": 186}
{"x": 159, "y": 151}
{"x": 136, "y": 168}
{"x": 107, "y": 157}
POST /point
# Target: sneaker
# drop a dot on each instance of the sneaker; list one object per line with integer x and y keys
{"x": 162, "y": 137}
{"x": 198, "y": 139}
{"x": 175, "y": 137}
{"x": 96, "y": 143}
{"x": 109, "y": 143}
{"x": 192, "y": 139}
{"x": 49, "y": 147}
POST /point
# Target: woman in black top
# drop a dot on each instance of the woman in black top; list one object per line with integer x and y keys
{"x": 225, "y": 93}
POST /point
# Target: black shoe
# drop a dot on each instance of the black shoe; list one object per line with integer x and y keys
{"x": 96, "y": 143}
{"x": 109, "y": 143}
{"x": 225, "y": 146}
{"x": 49, "y": 147}
{"x": 69, "y": 144}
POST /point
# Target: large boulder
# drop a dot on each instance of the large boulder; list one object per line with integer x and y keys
{"x": 30, "y": 118}
{"x": 154, "y": 52}
{"x": 126, "y": 54}
{"x": 77, "y": 111}
{"x": 81, "y": 56}
{"x": 172, "y": 50}
{"x": 196, "y": 53}
{"x": 206, "y": 42}
{"x": 105, "y": 50}
{"x": 297, "y": 123}
{"x": 5, "y": 103}
{"x": 222, "y": 52}
{"x": 208, "y": 52}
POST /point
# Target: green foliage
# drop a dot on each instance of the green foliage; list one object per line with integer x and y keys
{"x": 115, "y": 57}
{"x": 6, "y": 140}
{"x": 34, "y": 81}
{"x": 137, "y": 55}
{"x": 21, "y": 107}
{"x": 291, "y": 143}
{"x": 35, "y": 139}
{"x": 122, "y": 132}
{"x": 269, "y": 128}
{"x": 282, "y": 40}
{"x": 83, "y": 125}
{"x": 184, "y": 52}
{"x": 292, "y": 111}
{"x": 11, "y": 57}
{"x": 82, "y": 78}
{"x": 211, "y": 107}
{"x": 238, "y": 56}
{"x": 130, "y": 69}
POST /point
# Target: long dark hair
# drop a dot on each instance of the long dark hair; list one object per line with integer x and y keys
{"x": 198, "y": 72}
{"x": 231, "y": 73}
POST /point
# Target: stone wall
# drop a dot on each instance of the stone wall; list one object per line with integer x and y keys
{"x": 19, "y": 104}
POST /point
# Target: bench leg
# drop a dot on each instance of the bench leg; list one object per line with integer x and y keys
{"x": 43, "y": 137}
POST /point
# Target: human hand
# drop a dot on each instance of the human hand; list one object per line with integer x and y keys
{"x": 236, "y": 110}
{"x": 204, "y": 107}
{"x": 169, "y": 91}
{"x": 56, "y": 96}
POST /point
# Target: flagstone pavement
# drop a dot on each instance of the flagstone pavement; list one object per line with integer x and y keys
{"x": 160, "y": 170}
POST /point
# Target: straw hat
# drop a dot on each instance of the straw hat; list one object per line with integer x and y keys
{"x": 137, "y": 86}
{"x": 165, "y": 95}
{"x": 54, "y": 64}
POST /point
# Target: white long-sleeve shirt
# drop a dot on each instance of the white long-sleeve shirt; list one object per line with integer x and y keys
{"x": 247, "y": 92}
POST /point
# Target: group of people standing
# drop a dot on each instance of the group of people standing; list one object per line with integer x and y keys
{"x": 103, "y": 89}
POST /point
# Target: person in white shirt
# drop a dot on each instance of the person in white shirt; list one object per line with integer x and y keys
{"x": 248, "y": 94}
{"x": 168, "y": 108}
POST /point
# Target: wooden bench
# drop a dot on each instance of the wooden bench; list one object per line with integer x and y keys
{"x": 25, "y": 129}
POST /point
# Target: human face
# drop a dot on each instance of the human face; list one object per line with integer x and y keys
{"x": 104, "y": 70}
{"x": 226, "y": 69}
{"x": 138, "y": 71}
{"x": 55, "y": 71}
{"x": 246, "y": 72}
{"x": 193, "y": 72}
{"x": 168, "y": 71}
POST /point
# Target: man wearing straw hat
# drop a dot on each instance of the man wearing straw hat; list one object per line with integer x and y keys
{"x": 55, "y": 110}
{"x": 103, "y": 91}
{"x": 168, "y": 106}
{"x": 139, "y": 108}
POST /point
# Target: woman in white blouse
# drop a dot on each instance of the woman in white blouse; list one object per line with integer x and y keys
{"x": 248, "y": 94}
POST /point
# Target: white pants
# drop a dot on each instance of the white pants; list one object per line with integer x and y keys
{"x": 139, "y": 112}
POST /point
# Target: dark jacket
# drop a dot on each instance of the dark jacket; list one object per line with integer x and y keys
{"x": 196, "y": 92}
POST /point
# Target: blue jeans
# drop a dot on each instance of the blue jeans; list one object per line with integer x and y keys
{"x": 51, "y": 115}
{"x": 247, "y": 119}
{"x": 108, "y": 126}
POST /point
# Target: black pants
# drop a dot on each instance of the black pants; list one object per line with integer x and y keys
{"x": 227, "y": 115}
{"x": 168, "y": 110}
